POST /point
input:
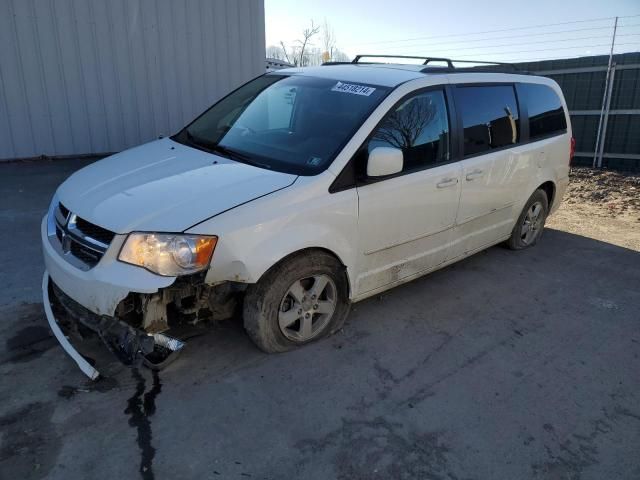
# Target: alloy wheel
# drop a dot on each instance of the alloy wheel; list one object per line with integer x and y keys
{"x": 307, "y": 307}
{"x": 532, "y": 223}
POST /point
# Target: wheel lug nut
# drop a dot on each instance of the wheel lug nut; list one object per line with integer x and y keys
{"x": 315, "y": 307}
{"x": 300, "y": 312}
{"x": 313, "y": 297}
{"x": 306, "y": 315}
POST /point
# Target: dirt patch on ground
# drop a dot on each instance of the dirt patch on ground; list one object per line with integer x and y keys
{"x": 602, "y": 205}
{"x": 617, "y": 193}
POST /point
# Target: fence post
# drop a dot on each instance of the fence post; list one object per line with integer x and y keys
{"x": 599, "y": 140}
{"x": 605, "y": 121}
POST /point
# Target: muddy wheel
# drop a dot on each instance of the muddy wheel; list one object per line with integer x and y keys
{"x": 300, "y": 300}
{"x": 530, "y": 224}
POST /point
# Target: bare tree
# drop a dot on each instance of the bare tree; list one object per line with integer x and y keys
{"x": 340, "y": 56}
{"x": 328, "y": 41}
{"x": 274, "y": 51}
{"x": 303, "y": 53}
{"x": 307, "y": 34}
{"x": 284, "y": 51}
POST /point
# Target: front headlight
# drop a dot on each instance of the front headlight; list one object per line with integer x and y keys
{"x": 168, "y": 254}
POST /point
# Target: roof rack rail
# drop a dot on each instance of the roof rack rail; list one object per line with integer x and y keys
{"x": 411, "y": 57}
{"x": 479, "y": 65}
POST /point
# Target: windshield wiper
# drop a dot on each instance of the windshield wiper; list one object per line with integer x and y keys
{"x": 213, "y": 147}
{"x": 235, "y": 155}
{"x": 199, "y": 142}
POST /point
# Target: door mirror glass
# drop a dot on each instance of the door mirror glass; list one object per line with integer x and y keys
{"x": 384, "y": 161}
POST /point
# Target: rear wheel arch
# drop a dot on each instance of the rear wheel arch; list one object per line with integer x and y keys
{"x": 549, "y": 188}
{"x": 530, "y": 221}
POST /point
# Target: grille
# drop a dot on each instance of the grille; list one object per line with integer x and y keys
{"x": 94, "y": 231}
{"x": 87, "y": 255}
{"x": 79, "y": 238}
{"x": 63, "y": 210}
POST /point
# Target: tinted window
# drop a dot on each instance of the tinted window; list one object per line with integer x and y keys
{"x": 489, "y": 117}
{"x": 546, "y": 115}
{"x": 419, "y": 126}
{"x": 295, "y": 124}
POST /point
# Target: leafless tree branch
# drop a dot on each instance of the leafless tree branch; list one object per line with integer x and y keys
{"x": 404, "y": 126}
{"x": 307, "y": 34}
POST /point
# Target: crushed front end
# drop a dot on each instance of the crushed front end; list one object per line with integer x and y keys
{"x": 106, "y": 313}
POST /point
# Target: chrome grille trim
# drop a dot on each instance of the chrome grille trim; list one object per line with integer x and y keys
{"x": 74, "y": 245}
{"x": 59, "y": 216}
{"x": 79, "y": 236}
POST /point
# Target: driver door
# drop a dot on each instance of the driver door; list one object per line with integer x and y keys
{"x": 405, "y": 221}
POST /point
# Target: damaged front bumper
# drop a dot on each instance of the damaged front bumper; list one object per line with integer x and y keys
{"x": 115, "y": 313}
{"x": 91, "y": 333}
{"x": 82, "y": 362}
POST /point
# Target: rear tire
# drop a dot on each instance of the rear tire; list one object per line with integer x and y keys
{"x": 300, "y": 300}
{"x": 530, "y": 224}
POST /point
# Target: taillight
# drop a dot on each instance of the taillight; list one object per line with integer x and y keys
{"x": 572, "y": 151}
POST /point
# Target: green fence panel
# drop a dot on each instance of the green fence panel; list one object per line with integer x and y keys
{"x": 585, "y": 90}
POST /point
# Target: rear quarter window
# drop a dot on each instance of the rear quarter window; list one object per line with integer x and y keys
{"x": 546, "y": 115}
{"x": 490, "y": 117}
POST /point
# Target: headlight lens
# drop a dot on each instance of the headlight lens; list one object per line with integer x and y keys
{"x": 168, "y": 254}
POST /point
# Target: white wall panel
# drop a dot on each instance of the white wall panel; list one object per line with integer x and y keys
{"x": 97, "y": 76}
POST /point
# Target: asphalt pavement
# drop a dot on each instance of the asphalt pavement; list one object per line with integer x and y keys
{"x": 507, "y": 365}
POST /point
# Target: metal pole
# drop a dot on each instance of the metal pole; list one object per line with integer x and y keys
{"x": 605, "y": 121}
{"x": 604, "y": 96}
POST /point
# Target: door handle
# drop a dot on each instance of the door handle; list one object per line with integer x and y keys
{"x": 475, "y": 174}
{"x": 447, "y": 182}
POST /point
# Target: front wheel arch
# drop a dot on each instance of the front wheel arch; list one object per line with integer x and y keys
{"x": 263, "y": 300}
{"x": 308, "y": 251}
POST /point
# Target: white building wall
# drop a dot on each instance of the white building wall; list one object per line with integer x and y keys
{"x": 97, "y": 76}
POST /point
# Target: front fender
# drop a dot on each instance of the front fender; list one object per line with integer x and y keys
{"x": 256, "y": 236}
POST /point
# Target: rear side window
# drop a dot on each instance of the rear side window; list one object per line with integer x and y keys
{"x": 419, "y": 126}
{"x": 489, "y": 117}
{"x": 546, "y": 115}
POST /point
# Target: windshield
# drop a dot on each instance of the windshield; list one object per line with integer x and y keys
{"x": 294, "y": 124}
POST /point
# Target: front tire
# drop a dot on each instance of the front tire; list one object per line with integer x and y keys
{"x": 302, "y": 299}
{"x": 530, "y": 224}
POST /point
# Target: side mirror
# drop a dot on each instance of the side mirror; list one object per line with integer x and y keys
{"x": 384, "y": 161}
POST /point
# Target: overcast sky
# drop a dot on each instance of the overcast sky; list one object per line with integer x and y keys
{"x": 422, "y": 27}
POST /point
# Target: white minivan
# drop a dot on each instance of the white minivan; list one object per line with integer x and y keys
{"x": 299, "y": 193}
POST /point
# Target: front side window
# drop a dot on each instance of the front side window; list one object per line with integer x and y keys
{"x": 295, "y": 124}
{"x": 546, "y": 115}
{"x": 419, "y": 127}
{"x": 489, "y": 117}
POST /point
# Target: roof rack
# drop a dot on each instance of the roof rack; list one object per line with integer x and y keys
{"x": 480, "y": 65}
{"x": 411, "y": 57}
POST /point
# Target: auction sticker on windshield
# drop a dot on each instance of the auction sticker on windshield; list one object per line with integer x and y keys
{"x": 352, "y": 88}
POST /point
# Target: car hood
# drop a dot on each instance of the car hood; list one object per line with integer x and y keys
{"x": 164, "y": 186}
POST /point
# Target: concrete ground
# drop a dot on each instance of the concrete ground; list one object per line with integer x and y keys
{"x": 508, "y": 365}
